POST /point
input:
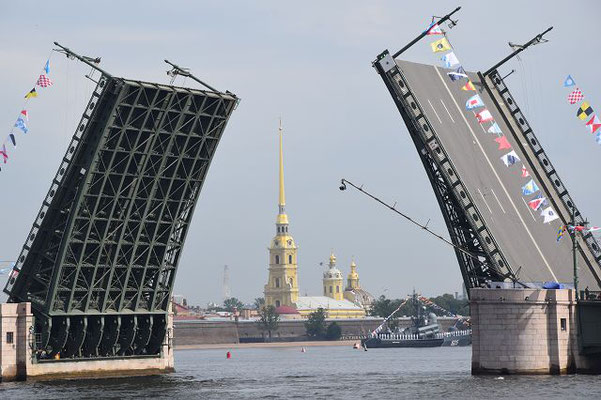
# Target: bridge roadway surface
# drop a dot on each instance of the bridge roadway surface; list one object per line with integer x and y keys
{"x": 496, "y": 190}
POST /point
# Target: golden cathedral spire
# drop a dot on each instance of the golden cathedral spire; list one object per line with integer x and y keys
{"x": 282, "y": 199}
{"x": 282, "y": 217}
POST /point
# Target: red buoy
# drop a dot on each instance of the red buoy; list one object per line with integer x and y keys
{"x": 228, "y": 355}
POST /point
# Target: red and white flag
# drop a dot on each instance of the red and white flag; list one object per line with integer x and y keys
{"x": 434, "y": 29}
{"x": 575, "y": 96}
{"x": 536, "y": 203}
{"x": 44, "y": 81}
{"x": 25, "y": 114}
{"x": 484, "y": 116}
{"x": 525, "y": 172}
{"x": 594, "y": 124}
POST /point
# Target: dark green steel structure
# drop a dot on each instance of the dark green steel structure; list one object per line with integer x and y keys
{"x": 99, "y": 263}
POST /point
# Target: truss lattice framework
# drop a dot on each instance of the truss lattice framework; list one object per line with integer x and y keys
{"x": 462, "y": 217}
{"x": 101, "y": 257}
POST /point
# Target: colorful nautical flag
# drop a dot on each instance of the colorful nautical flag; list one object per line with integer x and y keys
{"x": 440, "y": 45}
{"x": 468, "y": 86}
{"x": 474, "y": 102}
{"x": 594, "y": 229}
{"x": 494, "y": 128}
{"x": 510, "y": 158}
{"x": 569, "y": 82}
{"x": 575, "y": 96}
{"x": 536, "y": 202}
{"x": 598, "y": 137}
{"x": 21, "y": 125}
{"x": 434, "y": 29}
{"x": 484, "y": 116}
{"x": 525, "y": 172}
{"x": 459, "y": 73}
{"x": 529, "y": 188}
{"x": 31, "y": 93}
{"x": 561, "y": 232}
{"x": 47, "y": 67}
{"x": 549, "y": 215}
{"x": 450, "y": 60}
{"x": 594, "y": 124}
{"x": 4, "y": 153}
{"x": 503, "y": 143}
{"x": 44, "y": 81}
{"x": 12, "y": 139}
{"x": 584, "y": 110}
{"x": 25, "y": 114}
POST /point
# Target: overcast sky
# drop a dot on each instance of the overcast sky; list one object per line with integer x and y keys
{"x": 309, "y": 62}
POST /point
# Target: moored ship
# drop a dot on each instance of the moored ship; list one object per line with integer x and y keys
{"x": 424, "y": 331}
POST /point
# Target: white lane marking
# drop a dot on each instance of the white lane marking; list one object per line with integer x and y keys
{"x": 528, "y": 207}
{"x": 487, "y": 206}
{"x": 445, "y": 107}
{"x": 439, "y": 120}
{"x": 494, "y": 194}
{"x": 497, "y": 176}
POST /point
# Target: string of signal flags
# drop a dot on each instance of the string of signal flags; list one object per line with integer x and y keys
{"x": 585, "y": 111}
{"x": 43, "y": 82}
{"x": 484, "y": 117}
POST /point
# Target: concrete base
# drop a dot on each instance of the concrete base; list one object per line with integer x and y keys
{"x": 526, "y": 331}
{"x": 18, "y": 363}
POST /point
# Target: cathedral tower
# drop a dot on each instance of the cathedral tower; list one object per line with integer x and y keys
{"x": 332, "y": 281}
{"x": 282, "y": 285}
{"x": 352, "y": 281}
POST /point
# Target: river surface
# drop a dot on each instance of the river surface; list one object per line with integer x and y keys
{"x": 332, "y": 372}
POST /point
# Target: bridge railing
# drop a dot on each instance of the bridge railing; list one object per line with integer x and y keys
{"x": 543, "y": 160}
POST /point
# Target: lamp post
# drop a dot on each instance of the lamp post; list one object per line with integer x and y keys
{"x": 573, "y": 232}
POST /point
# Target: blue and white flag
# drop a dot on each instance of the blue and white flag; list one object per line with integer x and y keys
{"x": 510, "y": 158}
{"x": 450, "y": 60}
{"x": 494, "y": 128}
{"x": 569, "y": 81}
{"x": 474, "y": 102}
{"x": 459, "y": 73}
{"x": 21, "y": 125}
{"x": 47, "y": 67}
{"x": 549, "y": 215}
{"x": 598, "y": 137}
{"x": 529, "y": 188}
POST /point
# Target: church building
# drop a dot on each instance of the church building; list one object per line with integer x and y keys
{"x": 281, "y": 290}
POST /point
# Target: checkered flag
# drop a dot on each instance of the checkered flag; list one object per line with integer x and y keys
{"x": 575, "y": 96}
{"x": 44, "y": 81}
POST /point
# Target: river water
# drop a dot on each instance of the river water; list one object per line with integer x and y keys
{"x": 331, "y": 372}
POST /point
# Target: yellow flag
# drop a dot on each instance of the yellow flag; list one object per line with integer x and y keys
{"x": 31, "y": 93}
{"x": 468, "y": 86}
{"x": 440, "y": 45}
{"x": 584, "y": 111}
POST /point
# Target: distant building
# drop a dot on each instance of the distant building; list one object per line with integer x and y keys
{"x": 281, "y": 290}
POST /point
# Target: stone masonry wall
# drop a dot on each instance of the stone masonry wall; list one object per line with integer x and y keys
{"x": 524, "y": 331}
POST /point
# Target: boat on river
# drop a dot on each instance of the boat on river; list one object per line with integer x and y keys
{"x": 424, "y": 331}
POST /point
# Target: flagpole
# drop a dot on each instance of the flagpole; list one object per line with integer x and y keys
{"x": 424, "y": 33}
{"x": 92, "y": 62}
{"x": 574, "y": 254}
{"x": 537, "y": 39}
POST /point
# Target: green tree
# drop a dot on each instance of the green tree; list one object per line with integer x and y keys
{"x": 383, "y": 307}
{"x": 268, "y": 320}
{"x": 315, "y": 326}
{"x": 334, "y": 331}
{"x": 232, "y": 303}
{"x": 259, "y": 302}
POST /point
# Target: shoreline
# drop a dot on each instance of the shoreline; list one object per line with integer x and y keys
{"x": 315, "y": 343}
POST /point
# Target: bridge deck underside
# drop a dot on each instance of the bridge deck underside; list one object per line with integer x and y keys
{"x": 528, "y": 244}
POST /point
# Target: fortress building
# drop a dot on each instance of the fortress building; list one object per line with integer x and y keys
{"x": 281, "y": 290}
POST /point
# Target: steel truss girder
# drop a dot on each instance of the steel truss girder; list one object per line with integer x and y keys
{"x": 462, "y": 217}
{"x": 101, "y": 258}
